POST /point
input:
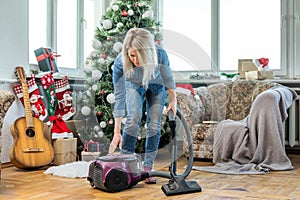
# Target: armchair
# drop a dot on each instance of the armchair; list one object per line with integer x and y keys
{"x": 216, "y": 102}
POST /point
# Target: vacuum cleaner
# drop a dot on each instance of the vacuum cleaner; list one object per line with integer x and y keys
{"x": 117, "y": 172}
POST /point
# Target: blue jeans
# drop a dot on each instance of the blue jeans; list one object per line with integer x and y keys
{"x": 154, "y": 109}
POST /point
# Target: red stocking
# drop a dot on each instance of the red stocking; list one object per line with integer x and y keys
{"x": 65, "y": 108}
{"x": 48, "y": 84}
{"x": 37, "y": 105}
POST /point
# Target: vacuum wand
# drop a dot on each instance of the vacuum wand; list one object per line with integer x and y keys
{"x": 178, "y": 185}
{"x": 172, "y": 125}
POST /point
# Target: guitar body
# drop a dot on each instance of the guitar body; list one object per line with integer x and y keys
{"x": 30, "y": 148}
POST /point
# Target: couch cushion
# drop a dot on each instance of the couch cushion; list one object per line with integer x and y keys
{"x": 243, "y": 93}
{"x": 203, "y": 139}
{"x": 190, "y": 107}
{"x": 241, "y": 99}
{"x": 220, "y": 98}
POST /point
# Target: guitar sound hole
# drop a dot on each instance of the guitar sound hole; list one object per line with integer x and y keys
{"x": 30, "y": 132}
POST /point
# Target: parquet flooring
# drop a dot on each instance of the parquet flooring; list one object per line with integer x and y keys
{"x": 18, "y": 184}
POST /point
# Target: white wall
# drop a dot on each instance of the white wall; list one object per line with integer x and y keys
{"x": 13, "y": 36}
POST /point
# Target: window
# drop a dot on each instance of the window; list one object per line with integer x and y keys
{"x": 37, "y": 27}
{"x": 233, "y": 29}
{"x": 64, "y": 26}
{"x": 67, "y": 32}
{"x": 249, "y": 29}
{"x": 189, "y": 24}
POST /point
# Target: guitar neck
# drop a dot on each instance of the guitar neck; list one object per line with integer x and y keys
{"x": 27, "y": 105}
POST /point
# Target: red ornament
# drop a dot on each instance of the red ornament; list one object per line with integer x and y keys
{"x": 102, "y": 55}
{"x": 99, "y": 113}
{"x": 102, "y": 92}
{"x": 137, "y": 4}
{"x": 124, "y": 13}
{"x": 108, "y": 38}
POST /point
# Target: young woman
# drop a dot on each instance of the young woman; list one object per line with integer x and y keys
{"x": 141, "y": 72}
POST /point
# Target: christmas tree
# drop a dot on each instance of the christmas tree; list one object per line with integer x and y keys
{"x": 96, "y": 104}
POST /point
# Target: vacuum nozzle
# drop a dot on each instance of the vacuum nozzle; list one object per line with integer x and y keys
{"x": 177, "y": 187}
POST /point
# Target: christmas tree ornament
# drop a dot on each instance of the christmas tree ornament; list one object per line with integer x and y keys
{"x": 110, "y": 98}
{"x": 86, "y": 110}
{"x": 107, "y": 24}
{"x": 47, "y": 82}
{"x": 103, "y": 55}
{"x": 100, "y": 134}
{"x": 103, "y": 124}
{"x": 108, "y": 9}
{"x": 59, "y": 129}
{"x": 148, "y": 14}
{"x": 101, "y": 60}
{"x": 130, "y": 12}
{"x": 120, "y": 25}
{"x": 65, "y": 108}
{"x": 95, "y": 87}
{"x": 96, "y": 74}
{"x": 96, "y": 44}
{"x": 136, "y": 4}
{"x": 115, "y": 7}
{"x": 96, "y": 128}
{"x": 117, "y": 46}
{"x": 36, "y": 100}
{"x": 88, "y": 93}
{"x": 93, "y": 54}
{"x": 124, "y": 13}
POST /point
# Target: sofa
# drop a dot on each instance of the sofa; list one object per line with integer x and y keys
{"x": 6, "y": 100}
{"x": 206, "y": 106}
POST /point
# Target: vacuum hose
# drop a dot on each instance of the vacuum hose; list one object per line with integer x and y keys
{"x": 188, "y": 169}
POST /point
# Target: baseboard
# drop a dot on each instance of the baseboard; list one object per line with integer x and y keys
{"x": 6, "y": 165}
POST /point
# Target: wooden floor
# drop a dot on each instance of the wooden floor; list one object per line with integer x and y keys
{"x": 19, "y": 184}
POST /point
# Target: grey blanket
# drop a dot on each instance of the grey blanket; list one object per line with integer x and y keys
{"x": 256, "y": 144}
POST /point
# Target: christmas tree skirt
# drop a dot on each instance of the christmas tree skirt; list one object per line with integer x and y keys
{"x": 77, "y": 169}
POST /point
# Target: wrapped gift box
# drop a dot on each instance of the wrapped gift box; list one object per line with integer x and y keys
{"x": 64, "y": 150}
{"x": 245, "y": 65}
{"x": 92, "y": 146}
{"x": 259, "y": 75}
{"x": 46, "y": 59}
{"x": 89, "y": 156}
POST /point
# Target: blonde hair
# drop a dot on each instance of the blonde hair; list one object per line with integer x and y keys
{"x": 143, "y": 42}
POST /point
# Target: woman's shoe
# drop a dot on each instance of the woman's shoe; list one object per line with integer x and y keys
{"x": 150, "y": 180}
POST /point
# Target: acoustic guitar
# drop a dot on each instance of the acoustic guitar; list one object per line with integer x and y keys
{"x": 30, "y": 149}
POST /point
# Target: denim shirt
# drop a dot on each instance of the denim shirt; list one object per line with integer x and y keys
{"x": 162, "y": 80}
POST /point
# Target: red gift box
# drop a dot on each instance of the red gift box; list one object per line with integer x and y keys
{"x": 46, "y": 59}
{"x": 91, "y": 146}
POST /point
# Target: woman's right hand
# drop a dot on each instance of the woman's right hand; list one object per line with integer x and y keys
{"x": 116, "y": 142}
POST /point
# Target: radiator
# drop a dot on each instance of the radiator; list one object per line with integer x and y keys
{"x": 292, "y": 131}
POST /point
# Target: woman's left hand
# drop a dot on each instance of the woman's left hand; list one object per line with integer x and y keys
{"x": 173, "y": 102}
